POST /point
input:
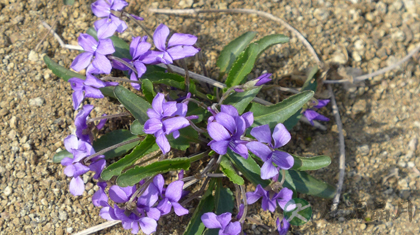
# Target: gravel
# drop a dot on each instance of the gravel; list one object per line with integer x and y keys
{"x": 36, "y": 113}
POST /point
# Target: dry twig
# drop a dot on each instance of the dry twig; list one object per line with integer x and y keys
{"x": 246, "y": 11}
{"x": 62, "y": 44}
{"x": 98, "y": 227}
{"x": 342, "y": 159}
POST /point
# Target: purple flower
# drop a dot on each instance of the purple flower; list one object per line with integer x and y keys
{"x": 96, "y": 49}
{"x": 166, "y": 117}
{"x": 179, "y": 45}
{"x": 106, "y": 27}
{"x": 227, "y": 129}
{"x": 282, "y": 229}
{"x": 83, "y": 129}
{"x": 139, "y": 50}
{"x": 269, "y": 199}
{"x": 150, "y": 196}
{"x": 312, "y": 115}
{"x": 172, "y": 196}
{"x": 263, "y": 79}
{"x": 100, "y": 199}
{"x": 267, "y": 153}
{"x": 102, "y": 8}
{"x": 222, "y": 222}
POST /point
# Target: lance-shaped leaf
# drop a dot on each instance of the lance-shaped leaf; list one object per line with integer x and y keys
{"x": 135, "y": 175}
{"x": 241, "y": 100}
{"x": 231, "y": 51}
{"x": 302, "y": 182}
{"x": 270, "y": 40}
{"x": 224, "y": 200}
{"x": 60, "y": 155}
{"x": 136, "y": 128}
{"x": 147, "y": 146}
{"x": 148, "y": 90}
{"x": 309, "y": 85}
{"x": 122, "y": 49}
{"x": 206, "y": 204}
{"x": 187, "y": 136}
{"x": 310, "y": 164}
{"x": 66, "y": 74}
{"x": 280, "y": 112}
{"x": 249, "y": 168}
{"x": 113, "y": 138}
{"x": 227, "y": 169}
{"x": 242, "y": 66}
{"x": 133, "y": 103}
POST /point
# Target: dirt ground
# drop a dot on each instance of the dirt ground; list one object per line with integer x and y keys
{"x": 379, "y": 118}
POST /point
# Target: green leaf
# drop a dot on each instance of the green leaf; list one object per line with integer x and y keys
{"x": 206, "y": 204}
{"x": 243, "y": 66}
{"x": 60, "y": 155}
{"x": 310, "y": 164}
{"x": 147, "y": 146}
{"x": 227, "y": 169}
{"x": 302, "y": 182}
{"x": 270, "y": 40}
{"x": 133, "y": 103}
{"x": 280, "y": 112}
{"x": 135, "y": 175}
{"x": 113, "y": 138}
{"x": 231, "y": 51}
{"x": 136, "y": 128}
{"x": 122, "y": 49}
{"x": 66, "y": 74}
{"x": 148, "y": 91}
{"x": 194, "y": 109}
{"x": 249, "y": 168}
{"x": 224, "y": 200}
{"x": 68, "y": 2}
{"x": 187, "y": 136}
{"x": 241, "y": 100}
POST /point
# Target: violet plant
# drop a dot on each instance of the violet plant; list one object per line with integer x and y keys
{"x": 239, "y": 138}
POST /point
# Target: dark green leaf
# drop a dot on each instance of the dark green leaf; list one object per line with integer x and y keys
{"x": 66, "y": 74}
{"x": 194, "y": 109}
{"x": 302, "y": 182}
{"x": 270, "y": 40}
{"x": 310, "y": 164}
{"x": 187, "y": 136}
{"x": 227, "y": 169}
{"x": 60, "y": 155}
{"x": 310, "y": 83}
{"x": 249, "y": 168}
{"x": 206, "y": 204}
{"x": 68, "y": 2}
{"x": 242, "y": 66}
{"x": 280, "y": 112}
{"x": 147, "y": 146}
{"x": 122, "y": 49}
{"x": 148, "y": 91}
{"x": 113, "y": 138}
{"x": 133, "y": 103}
{"x": 240, "y": 100}
{"x": 136, "y": 128}
{"x": 135, "y": 175}
{"x": 231, "y": 51}
{"x": 224, "y": 200}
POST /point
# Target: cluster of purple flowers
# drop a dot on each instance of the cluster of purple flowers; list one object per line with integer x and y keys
{"x": 80, "y": 146}
{"x": 144, "y": 210}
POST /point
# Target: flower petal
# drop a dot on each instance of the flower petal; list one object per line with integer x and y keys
{"x": 105, "y": 47}
{"x": 219, "y": 147}
{"x": 218, "y": 132}
{"x": 118, "y": 194}
{"x": 149, "y": 196}
{"x": 226, "y": 121}
{"x": 229, "y": 109}
{"x": 248, "y": 118}
{"x": 180, "y": 52}
{"x": 162, "y": 142}
{"x": 107, "y": 213}
{"x": 71, "y": 142}
{"x": 268, "y": 170}
{"x": 95, "y": 93}
{"x": 209, "y": 220}
{"x": 173, "y": 124}
{"x": 76, "y": 84}
{"x": 321, "y": 103}
{"x": 154, "y": 213}
{"x": 262, "y": 133}
{"x": 118, "y": 5}
{"x": 140, "y": 67}
{"x": 87, "y": 42}
{"x": 93, "y": 81}
{"x": 97, "y": 167}
{"x": 283, "y": 160}
{"x": 77, "y": 186}
{"x": 224, "y": 219}
{"x": 101, "y": 9}
{"x": 157, "y": 103}
{"x": 152, "y": 126}
{"x": 283, "y": 229}
{"x": 100, "y": 199}
{"x": 233, "y": 228}
{"x": 78, "y": 97}
{"x": 252, "y": 197}
{"x": 259, "y": 149}
{"x": 148, "y": 225}
{"x": 174, "y": 191}
{"x": 164, "y": 206}
{"x": 81, "y": 61}
{"x": 102, "y": 63}
{"x": 160, "y": 35}
{"x": 281, "y": 136}
{"x": 240, "y": 149}
{"x": 179, "y": 210}
{"x": 159, "y": 182}
{"x": 182, "y": 39}
{"x": 284, "y": 196}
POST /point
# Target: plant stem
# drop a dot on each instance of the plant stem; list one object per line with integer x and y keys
{"x": 119, "y": 79}
{"x": 139, "y": 24}
{"x": 199, "y": 156}
{"x": 111, "y": 57}
{"x": 227, "y": 93}
{"x": 111, "y": 148}
{"x": 109, "y": 117}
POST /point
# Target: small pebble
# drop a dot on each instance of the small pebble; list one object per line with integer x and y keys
{"x": 7, "y": 191}
{"x": 36, "y": 101}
